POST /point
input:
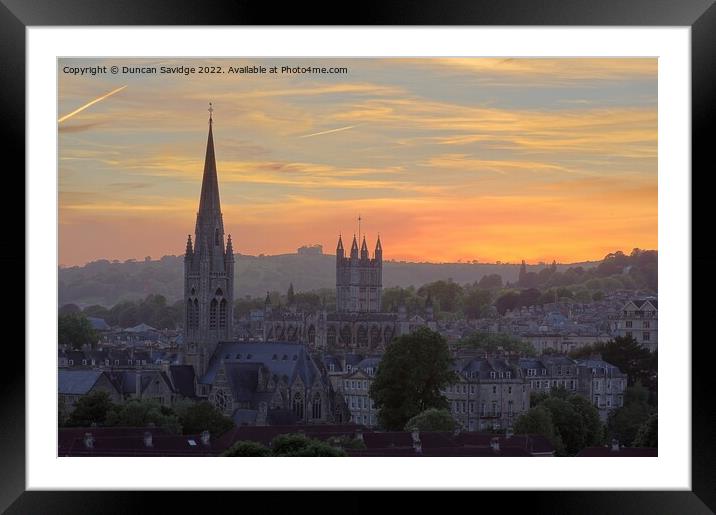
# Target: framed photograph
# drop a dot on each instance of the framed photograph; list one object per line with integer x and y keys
{"x": 347, "y": 191}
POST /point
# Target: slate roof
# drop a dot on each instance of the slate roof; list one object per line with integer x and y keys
{"x": 99, "y": 324}
{"x": 281, "y": 359}
{"x": 126, "y": 380}
{"x": 76, "y": 382}
{"x": 141, "y": 328}
{"x": 183, "y": 377}
{"x": 162, "y": 445}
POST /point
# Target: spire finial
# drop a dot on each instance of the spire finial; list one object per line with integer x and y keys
{"x": 211, "y": 111}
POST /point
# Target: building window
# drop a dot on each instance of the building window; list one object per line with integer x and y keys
{"x": 646, "y": 324}
{"x": 628, "y": 324}
{"x": 628, "y": 334}
{"x": 494, "y": 389}
{"x": 646, "y": 335}
{"x": 298, "y": 405}
{"x": 317, "y": 406}
{"x": 508, "y": 375}
{"x": 509, "y": 391}
{"x": 212, "y": 313}
{"x": 70, "y": 362}
{"x": 222, "y": 314}
{"x": 492, "y": 375}
{"x": 544, "y": 371}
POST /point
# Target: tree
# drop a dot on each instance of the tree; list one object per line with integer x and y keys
{"x": 568, "y": 424}
{"x": 494, "y": 342}
{"x": 69, "y": 309}
{"x": 648, "y": 433}
{"x": 476, "y": 302}
{"x": 202, "y": 416}
{"x": 448, "y": 294}
{"x": 538, "y": 421}
{"x": 432, "y": 420}
{"x": 490, "y": 282}
{"x": 624, "y": 423}
{"x": 300, "y": 445}
{"x": 141, "y": 413}
{"x": 91, "y": 409}
{"x": 247, "y": 448}
{"x": 414, "y": 369}
{"x": 593, "y": 427}
{"x": 575, "y": 420}
{"x": 290, "y": 296}
{"x": 75, "y": 331}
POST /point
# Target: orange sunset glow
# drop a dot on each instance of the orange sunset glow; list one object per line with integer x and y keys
{"x": 447, "y": 159}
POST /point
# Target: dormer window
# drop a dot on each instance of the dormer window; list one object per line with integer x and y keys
{"x": 349, "y": 368}
{"x": 492, "y": 375}
{"x": 509, "y": 375}
{"x": 332, "y": 367}
{"x": 285, "y": 357}
{"x": 544, "y": 371}
{"x": 129, "y": 362}
{"x": 116, "y": 362}
{"x": 71, "y": 362}
{"x": 274, "y": 357}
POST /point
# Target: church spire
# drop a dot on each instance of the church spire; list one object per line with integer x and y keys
{"x": 354, "y": 248}
{"x": 189, "y": 248}
{"x": 209, "y": 202}
{"x": 364, "y": 250}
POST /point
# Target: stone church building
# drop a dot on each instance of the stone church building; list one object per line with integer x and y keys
{"x": 254, "y": 383}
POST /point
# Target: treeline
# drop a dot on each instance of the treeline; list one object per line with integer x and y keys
{"x": 186, "y": 417}
{"x": 638, "y": 270}
{"x": 153, "y": 310}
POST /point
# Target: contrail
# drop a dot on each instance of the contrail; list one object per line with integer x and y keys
{"x": 328, "y": 132}
{"x": 80, "y": 109}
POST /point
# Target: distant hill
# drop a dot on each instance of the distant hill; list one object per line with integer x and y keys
{"x": 106, "y": 283}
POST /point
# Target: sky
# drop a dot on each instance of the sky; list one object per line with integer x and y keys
{"x": 448, "y": 159}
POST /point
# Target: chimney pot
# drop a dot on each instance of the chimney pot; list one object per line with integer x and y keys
{"x": 205, "y": 437}
{"x": 89, "y": 440}
{"x": 615, "y": 445}
{"x": 359, "y": 434}
{"x": 495, "y": 444}
{"x": 148, "y": 439}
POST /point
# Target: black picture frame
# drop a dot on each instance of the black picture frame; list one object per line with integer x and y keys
{"x": 700, "y": 15}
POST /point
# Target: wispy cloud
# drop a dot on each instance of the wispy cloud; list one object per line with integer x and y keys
{"x": 329, "y": 131}
{"x": 89, "y": 104}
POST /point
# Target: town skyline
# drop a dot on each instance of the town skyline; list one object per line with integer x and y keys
{"x": 445, "y": 168}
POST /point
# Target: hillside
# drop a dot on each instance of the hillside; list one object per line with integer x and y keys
{"x": 104, "y": 282}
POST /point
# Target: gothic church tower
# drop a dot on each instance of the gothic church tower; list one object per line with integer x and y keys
{"x": 208, "y": 272}
{"x": 359, "y": 279}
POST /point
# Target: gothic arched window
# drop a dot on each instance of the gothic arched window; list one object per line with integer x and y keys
{"x": 217, "y": 239}
{"x": 212, "y": 313}
{"x": 346, "y": 335}
{"x": 331, "y": 336}
{"x": 222, "y": 314}
{"x": 312, "y": 335}
{"x": 298, "y": 405}
{"x": 362, "y": 336}
{"x": 316, "y": 406}
{"x": 195, "y": 311}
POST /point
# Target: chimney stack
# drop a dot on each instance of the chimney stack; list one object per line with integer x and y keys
{"x": 89, "y": 441}
{"x": 147, "y": 439}
{"x": 205, "y": 437}
{"x": 495, "y": 444}
{"x": 615, "y": 445}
